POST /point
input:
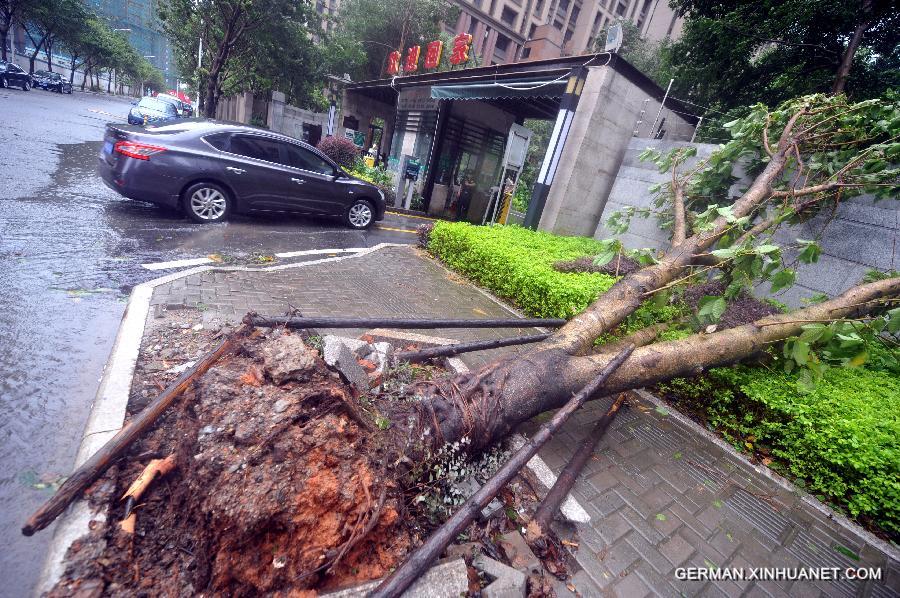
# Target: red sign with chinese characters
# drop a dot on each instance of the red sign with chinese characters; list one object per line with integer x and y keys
{"x": 433, "y": 53}
{"x": 460, "y": 53}
{"x": 393, "y": 66}
{"x": 412, "y": 59}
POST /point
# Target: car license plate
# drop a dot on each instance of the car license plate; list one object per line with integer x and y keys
{"x": 108, "y": 148}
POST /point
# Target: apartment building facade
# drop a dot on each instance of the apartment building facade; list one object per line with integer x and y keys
{"x": 505, "y": 31}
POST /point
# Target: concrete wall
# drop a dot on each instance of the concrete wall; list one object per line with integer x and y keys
{"x": 863, "y": 234}
{"x": 604, "y": 122}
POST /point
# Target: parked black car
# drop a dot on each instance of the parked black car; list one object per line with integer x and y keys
{"x": 151, "y": 110}
{"x": 12, "y": 75}
{"x": 209, "y": 169}
{"x": 51, "y": 82}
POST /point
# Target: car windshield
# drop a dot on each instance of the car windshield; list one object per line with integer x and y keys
{"x": 155, "y": 104}
{"x": 41, "y": 73}
{"x": 55, "y": 76}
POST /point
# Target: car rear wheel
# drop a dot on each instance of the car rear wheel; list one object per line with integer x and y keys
{"x": 2, "y": 82}
{"x": 206, "y": 203}
{"x": 360, "y": 214}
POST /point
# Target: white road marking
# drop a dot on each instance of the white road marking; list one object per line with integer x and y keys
{"x": 319, "y": 252}
{"x": 178, "y": 263}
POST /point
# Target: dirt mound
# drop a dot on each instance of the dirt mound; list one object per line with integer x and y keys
{"x": 619, "y": 266}
{"x": 743, "y": 309}
{"x": 275, "y": 487}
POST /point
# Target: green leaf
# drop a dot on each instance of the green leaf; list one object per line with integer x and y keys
{"x": 810, "y": 252}
{"x": 711, "y": 307}
{"x": 767, "y": 248}
{"x": 726, "y": 253}
{"x": 604, "y": 257}
{"x": 800, "y": 352}
{"x": 783, "y": 279}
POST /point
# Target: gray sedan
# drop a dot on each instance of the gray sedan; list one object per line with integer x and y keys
{"x": 211, "y": 169}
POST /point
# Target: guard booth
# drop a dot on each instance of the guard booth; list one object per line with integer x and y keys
{"x": 464, "y": 130}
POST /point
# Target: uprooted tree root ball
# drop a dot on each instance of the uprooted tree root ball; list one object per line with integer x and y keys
{"x": 278, "y": 481}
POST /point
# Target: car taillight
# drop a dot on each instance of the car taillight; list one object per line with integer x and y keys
{"x": 134, "y": 149}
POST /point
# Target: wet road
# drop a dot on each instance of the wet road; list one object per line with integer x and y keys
{"x": 70, "y": 252}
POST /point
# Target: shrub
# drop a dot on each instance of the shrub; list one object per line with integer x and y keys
{"x": 517, "y": 264}
{"x": 841, "y": 440}
{"x": 339, "y": 149}
{"x": 380, "y": 177}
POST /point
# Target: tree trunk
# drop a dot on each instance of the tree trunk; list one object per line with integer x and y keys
{"x": 48, "y": 49}
{"x": 72, "y": 66}
{"x": 843, "y": 71}
{"x": 487, "y": 405}
{"x": 4, "y": 31}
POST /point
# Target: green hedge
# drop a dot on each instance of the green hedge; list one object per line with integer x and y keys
{"x": 517, "y": 264}
{"x": 841, "y": 441}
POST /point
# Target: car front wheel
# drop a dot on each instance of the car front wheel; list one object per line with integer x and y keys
{"x": 26, "y": 86}
{"x": 206, "y": 203}
{"x": 360, "y": 214}
{"x": 2, "y": 82}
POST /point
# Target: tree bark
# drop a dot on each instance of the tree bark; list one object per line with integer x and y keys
{"x": 487, "y": 405}
{"x": 843, "y": 71}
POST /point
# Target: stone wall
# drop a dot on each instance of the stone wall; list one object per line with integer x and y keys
{"x": 861, "y": 235}
{"x": 605, "y": 120}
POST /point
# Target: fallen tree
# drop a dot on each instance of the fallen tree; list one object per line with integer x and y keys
{"x": 808, "y": 156}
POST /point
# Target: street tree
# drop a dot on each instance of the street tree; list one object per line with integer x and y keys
{"x": 809, "y": 154}
{"x": 12, "y": 11}
{"x": 381, "y": 28}
{"x": 248, "y": 45}
{"x": 734, "y": 53}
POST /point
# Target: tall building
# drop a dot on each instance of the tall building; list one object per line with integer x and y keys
{"x": 138, "y": 17}
{"x": 511, "y": 30}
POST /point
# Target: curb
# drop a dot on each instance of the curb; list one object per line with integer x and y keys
{"x": 108, "y": 409}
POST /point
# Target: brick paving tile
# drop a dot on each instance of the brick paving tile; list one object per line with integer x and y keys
{"x": 717, "y": 509}
{"x": 631, "y": 586}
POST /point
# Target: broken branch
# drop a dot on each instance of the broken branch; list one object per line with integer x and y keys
{"x": 566, "y": 480}
{"x": 100, "y": 461}
{"x": 414, "y": 323}
{"x": 457, "y": 348}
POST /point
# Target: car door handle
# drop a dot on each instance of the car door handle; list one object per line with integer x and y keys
{"x": 235, "y": 170}
{"x": 298, "y": 181}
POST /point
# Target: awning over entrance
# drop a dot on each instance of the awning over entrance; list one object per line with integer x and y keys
{"x": 517, "y": 88}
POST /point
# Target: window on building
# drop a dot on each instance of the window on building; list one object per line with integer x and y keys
{"x": 493, "y": 5}
{"x": 526, "y": 52}
{"x": 531, "y": 31}
{"x": 501, "y": 48}
{"x": 538, "y": 7}
{"x": 563, "y": 6}
{"x": 621, "y": 7}
{"x": 576, "y": 10}
{"x": 508, "y": 16}
{"x": 476, "y": 3}
{"x": 472, "y": 25}
{"x": 595, "y": 28}
{"x": 568, "y": 36}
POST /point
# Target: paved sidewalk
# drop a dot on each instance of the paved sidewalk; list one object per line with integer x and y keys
{"x": 662, "y": 493}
